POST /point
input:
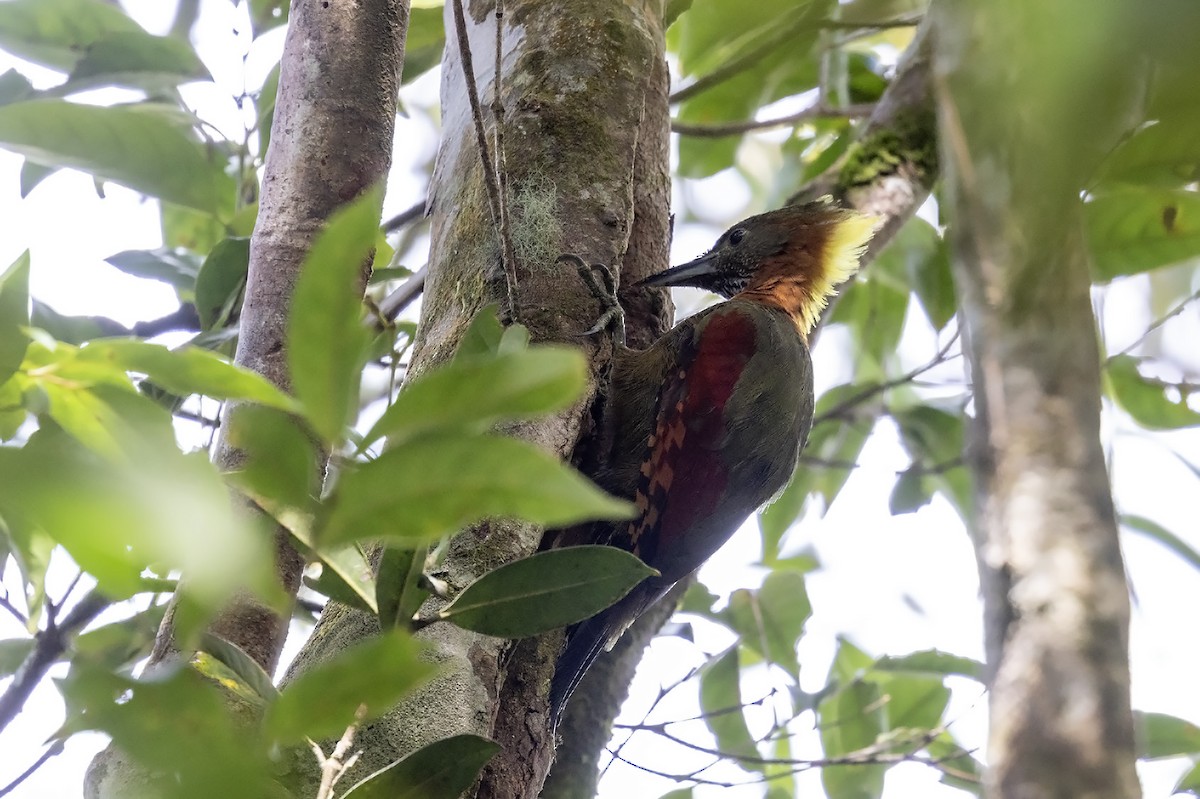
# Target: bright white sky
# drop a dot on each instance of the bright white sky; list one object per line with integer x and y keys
{"x": 891, "y": 584}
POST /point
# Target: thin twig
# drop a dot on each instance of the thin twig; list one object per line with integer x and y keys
{"x": 490, "y": 179}
{"x": 506, "y": 240}
{"x": 48, "y": 645}
{"x": 1171, "y": 314}
{"x": 11, "y": 608}
{"x": 739, "y": 64}
{"x": 53, "y": 750}
{"x": 334, "y": 766}
{"x": 405, "y": 217}
{"x": 867, "y": 393}
{"x": 859, "y": 111}
{"x": 391, "y": 305}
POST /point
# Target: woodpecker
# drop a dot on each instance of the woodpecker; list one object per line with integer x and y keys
{"x": 706, "y": 424}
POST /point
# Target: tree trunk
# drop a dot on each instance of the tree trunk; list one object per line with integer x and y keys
{"x": 1056, "y": 601}
{"x": 587, "y": 174}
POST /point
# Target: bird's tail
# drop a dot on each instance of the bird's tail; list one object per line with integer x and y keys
{"x": 585, "y": 642}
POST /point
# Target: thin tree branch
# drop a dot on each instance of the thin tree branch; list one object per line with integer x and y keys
{"x": 490, "y": 178}
{"x": 53, "y": 750}
{"x": 405, "y": 217}
{"x": 719, "y": 130}
{"x": 393, "y": 304}
{"x": 1171, "y": 314}
{"x": 48, "y": 645}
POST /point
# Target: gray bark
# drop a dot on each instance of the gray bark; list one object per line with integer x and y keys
{"x": 1056, "y": 601}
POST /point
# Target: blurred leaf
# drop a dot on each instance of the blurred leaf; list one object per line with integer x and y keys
{"x": 545, "y": 591}
{"x": 934, "y": 440}
{"x": 14, "y": 315}
{"x": 1163, "y": 153}
{"x": 264, "y": 105}
{"x": 476, "y": 393}
{"x": 932, "y": 661}
{"x": 267, "y": 14}
{"x": 1163, "y": 735}
{"x": 178, "y": 270}
{"x": 241, "y": 664}
{"x": 958, "y": 768}
{"x": 280, "y": 456}
{"x": 398, "y": 593}
{"x": 165, "y": 723}
{"x": 120, "y": 644}
{"x": 220, "y": 281}
{"x": 436, "y": 485}
{"x": 425, "y": 42}
{"x": 347, "y": 577}
{"x": 197, "y": 231}
{"x": 148, "y": 148}
{"x": 919, "y": 253}
{"x": 13, "y": 652}
{"x": 482, "y": 336}
{"x": 12, "y": 415}
{"x": 187, "y": 371}
{"x": 55, "y": 33}
{"x": 137, "y": 60}
{"x": 14, "y": 87}
{"x": 771, "y": 620}
{"x": 323, "y": 700}
{"x": 873, "y": 309}
{"x": 1143, "y": 399}
{"x": 851, "y": 719}
{"x": 32, "y": 174}
{"x": 1138, "y": 229}
{"x": 444, "y": 769}
{"x": 1155, "y": 531}
{"x": 910, "y": 493}
{"x": 326, "y": 337}
{"x": 914, "y": 705}
{"x": 1189, "y": 782}
{"x": 722, "y": 706}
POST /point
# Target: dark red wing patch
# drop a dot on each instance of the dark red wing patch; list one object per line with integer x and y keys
{"x": 682, "y": 474}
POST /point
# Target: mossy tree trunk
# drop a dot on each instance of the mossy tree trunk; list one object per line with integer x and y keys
{"x": 585, "y": 129}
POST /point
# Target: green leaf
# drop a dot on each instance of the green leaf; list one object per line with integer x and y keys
{"x": 1135, "y": 230}
{"x": 849, "y": 720}
{"x": 919, "y": 254}
{"x": 187, "y": 370}
{"x": 398, "y": 593}
{"x": 959, "y": 769}
{"x": 914, "y": 705}
{"x": 14, "y": 87}
{"x": 55, "y": 33}
{"x": 148, "y": 148}
{"x": 436, "y": 485}
{"x": 164, "y": 723}
{"x": 13, "y": 652}
{"x": 1163, "y": 735}
{"x": 1163, "y": 153}
{"x": 178, "y": 270}
{"x": 121, "y": 644}
{"x": 326, "y": 337}
{"x": 241, "y": 664}
{"x": 1155, "y": 531}
{"x": 771, "y": 620}
{"x": 545, "y": 591}
{"x": 483, "y": 334}
{"x": 220, "y": 281}
{"x": 323, "y": 700}
{"x": 475, "y": 393}
{"x": 721, "y": 704}
{"x": 32, "y": 174}
{"x": 347, "y": 577}
{"x": 873, "y": 308}
{"x": 137, "y": 60}
{"x": 444, "y": 769}
{"x": 280, "y": 456}
{"x": 1146, "y": 400}
{"x": 425, "y": 42}
{"x": 932, "y": 662}
{"x": 14, "y": 316}
{"x": 1189, "y": 782}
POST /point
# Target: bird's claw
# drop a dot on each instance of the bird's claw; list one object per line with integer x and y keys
{"x": 603, "y": 289}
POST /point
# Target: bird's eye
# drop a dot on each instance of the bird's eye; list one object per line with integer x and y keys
{"x": 736, "y": 236}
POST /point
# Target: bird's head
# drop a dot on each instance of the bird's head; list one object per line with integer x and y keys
{"x": 793, "y": 257}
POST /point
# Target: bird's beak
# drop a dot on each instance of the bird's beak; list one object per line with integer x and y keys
{"x": 693, "y": 273}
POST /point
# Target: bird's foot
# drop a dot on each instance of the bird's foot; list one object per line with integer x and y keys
{"x": 604, "y": 289}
